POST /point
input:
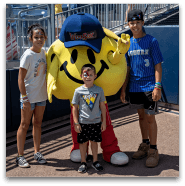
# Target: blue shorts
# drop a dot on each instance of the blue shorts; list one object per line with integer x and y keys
{"x": 42, "y": 103}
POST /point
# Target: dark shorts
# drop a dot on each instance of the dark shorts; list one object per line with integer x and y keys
{"x": 90, "y": 132}
{"x": 143, "y": 100}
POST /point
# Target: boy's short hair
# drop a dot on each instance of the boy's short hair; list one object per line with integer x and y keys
{"x": 88, "y": 67}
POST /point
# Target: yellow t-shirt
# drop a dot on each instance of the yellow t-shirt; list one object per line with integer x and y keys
{"x": 58, "y": 8}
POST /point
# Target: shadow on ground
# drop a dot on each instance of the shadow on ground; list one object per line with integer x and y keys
{"x": 134, "y": 167}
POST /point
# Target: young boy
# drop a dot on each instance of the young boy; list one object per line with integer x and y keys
{"x": 144, "y": 73}
{"x": 88, "y": 107}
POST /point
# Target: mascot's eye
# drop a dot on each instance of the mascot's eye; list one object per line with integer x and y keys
{"x": 91, "y": 56}
{"x": 74, "y": 56}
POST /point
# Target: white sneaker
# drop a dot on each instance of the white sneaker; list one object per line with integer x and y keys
{"x": 21, "y": 162}
{"x": 40, "y": 158}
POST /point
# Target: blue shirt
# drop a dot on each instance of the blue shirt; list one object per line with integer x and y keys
{"x": 142, "y": 56}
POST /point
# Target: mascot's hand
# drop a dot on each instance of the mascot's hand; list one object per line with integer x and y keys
{"x": 51, "y": 85}
{"x": 121, "y": 46}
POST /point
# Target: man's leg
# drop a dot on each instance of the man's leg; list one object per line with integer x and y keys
{"x": 152, "y": 129}
{"x": 143, "y": 123}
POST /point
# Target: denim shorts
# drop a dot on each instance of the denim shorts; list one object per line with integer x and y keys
{"x": 42, "y": 103}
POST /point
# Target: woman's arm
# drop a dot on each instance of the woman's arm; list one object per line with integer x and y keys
{"x": 21, "y": 84}
{"x": 22, "y": 88}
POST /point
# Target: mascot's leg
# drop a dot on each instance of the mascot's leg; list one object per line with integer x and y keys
{"x": 75, "y": 151}
{"x": 109, "y": 144}
{"x": 75, "y": 155}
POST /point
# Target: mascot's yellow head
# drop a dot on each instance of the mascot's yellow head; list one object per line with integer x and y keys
{"x": 82, "y": 41}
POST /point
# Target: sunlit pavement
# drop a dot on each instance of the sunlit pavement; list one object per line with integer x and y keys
{"x": 56, "y": 146}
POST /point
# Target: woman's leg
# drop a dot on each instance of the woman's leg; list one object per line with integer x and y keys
{"x": 37, "y": 122}
{"x": 26, "y": 114}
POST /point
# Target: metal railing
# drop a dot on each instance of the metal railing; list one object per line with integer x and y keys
{"x": 23, "y": 21}
{"x": 111, "y": 16}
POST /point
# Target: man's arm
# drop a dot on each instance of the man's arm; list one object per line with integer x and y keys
{"x": 123, "y": 89}
{"x": 158, "y": 72}
{"x": 156, "y": 95}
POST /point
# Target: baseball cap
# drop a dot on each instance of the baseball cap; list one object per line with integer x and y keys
{"x": 135, "y": 15}
{"x": 82, "y": 29}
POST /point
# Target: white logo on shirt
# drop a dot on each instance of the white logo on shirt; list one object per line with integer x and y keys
{"x": 147, "y": 63}
{"x": 138, "y": 52}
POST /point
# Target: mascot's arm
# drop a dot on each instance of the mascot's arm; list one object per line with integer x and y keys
{"x": 52, "y": 77}
{"x": 121, "y": 50}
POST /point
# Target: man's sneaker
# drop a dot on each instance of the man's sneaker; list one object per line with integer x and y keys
{"x": 39, "y": 157}
{"x": 153, "y": 158}
{"x": 21, "y": 162}
{"x": 142, "y": 151}
{"x": 96, "y": 165}
{"x": 82, "y": 168}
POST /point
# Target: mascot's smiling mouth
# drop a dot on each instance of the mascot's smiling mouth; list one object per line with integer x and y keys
{"x": 63, "y": 67}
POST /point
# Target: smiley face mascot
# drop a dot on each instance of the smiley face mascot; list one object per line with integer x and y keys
{"x": 84, "y": 41}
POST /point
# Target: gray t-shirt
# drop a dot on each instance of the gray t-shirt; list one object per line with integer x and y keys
{"x": 89, "y": 100}
{"x": 35, "y": 80}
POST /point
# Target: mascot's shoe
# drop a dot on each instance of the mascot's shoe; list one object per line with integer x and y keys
{"x": 119, "y": 158}
{"x": 75, "y": 156}
{"x": 142, "y": 151}
{"x": 153, "y": 158}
